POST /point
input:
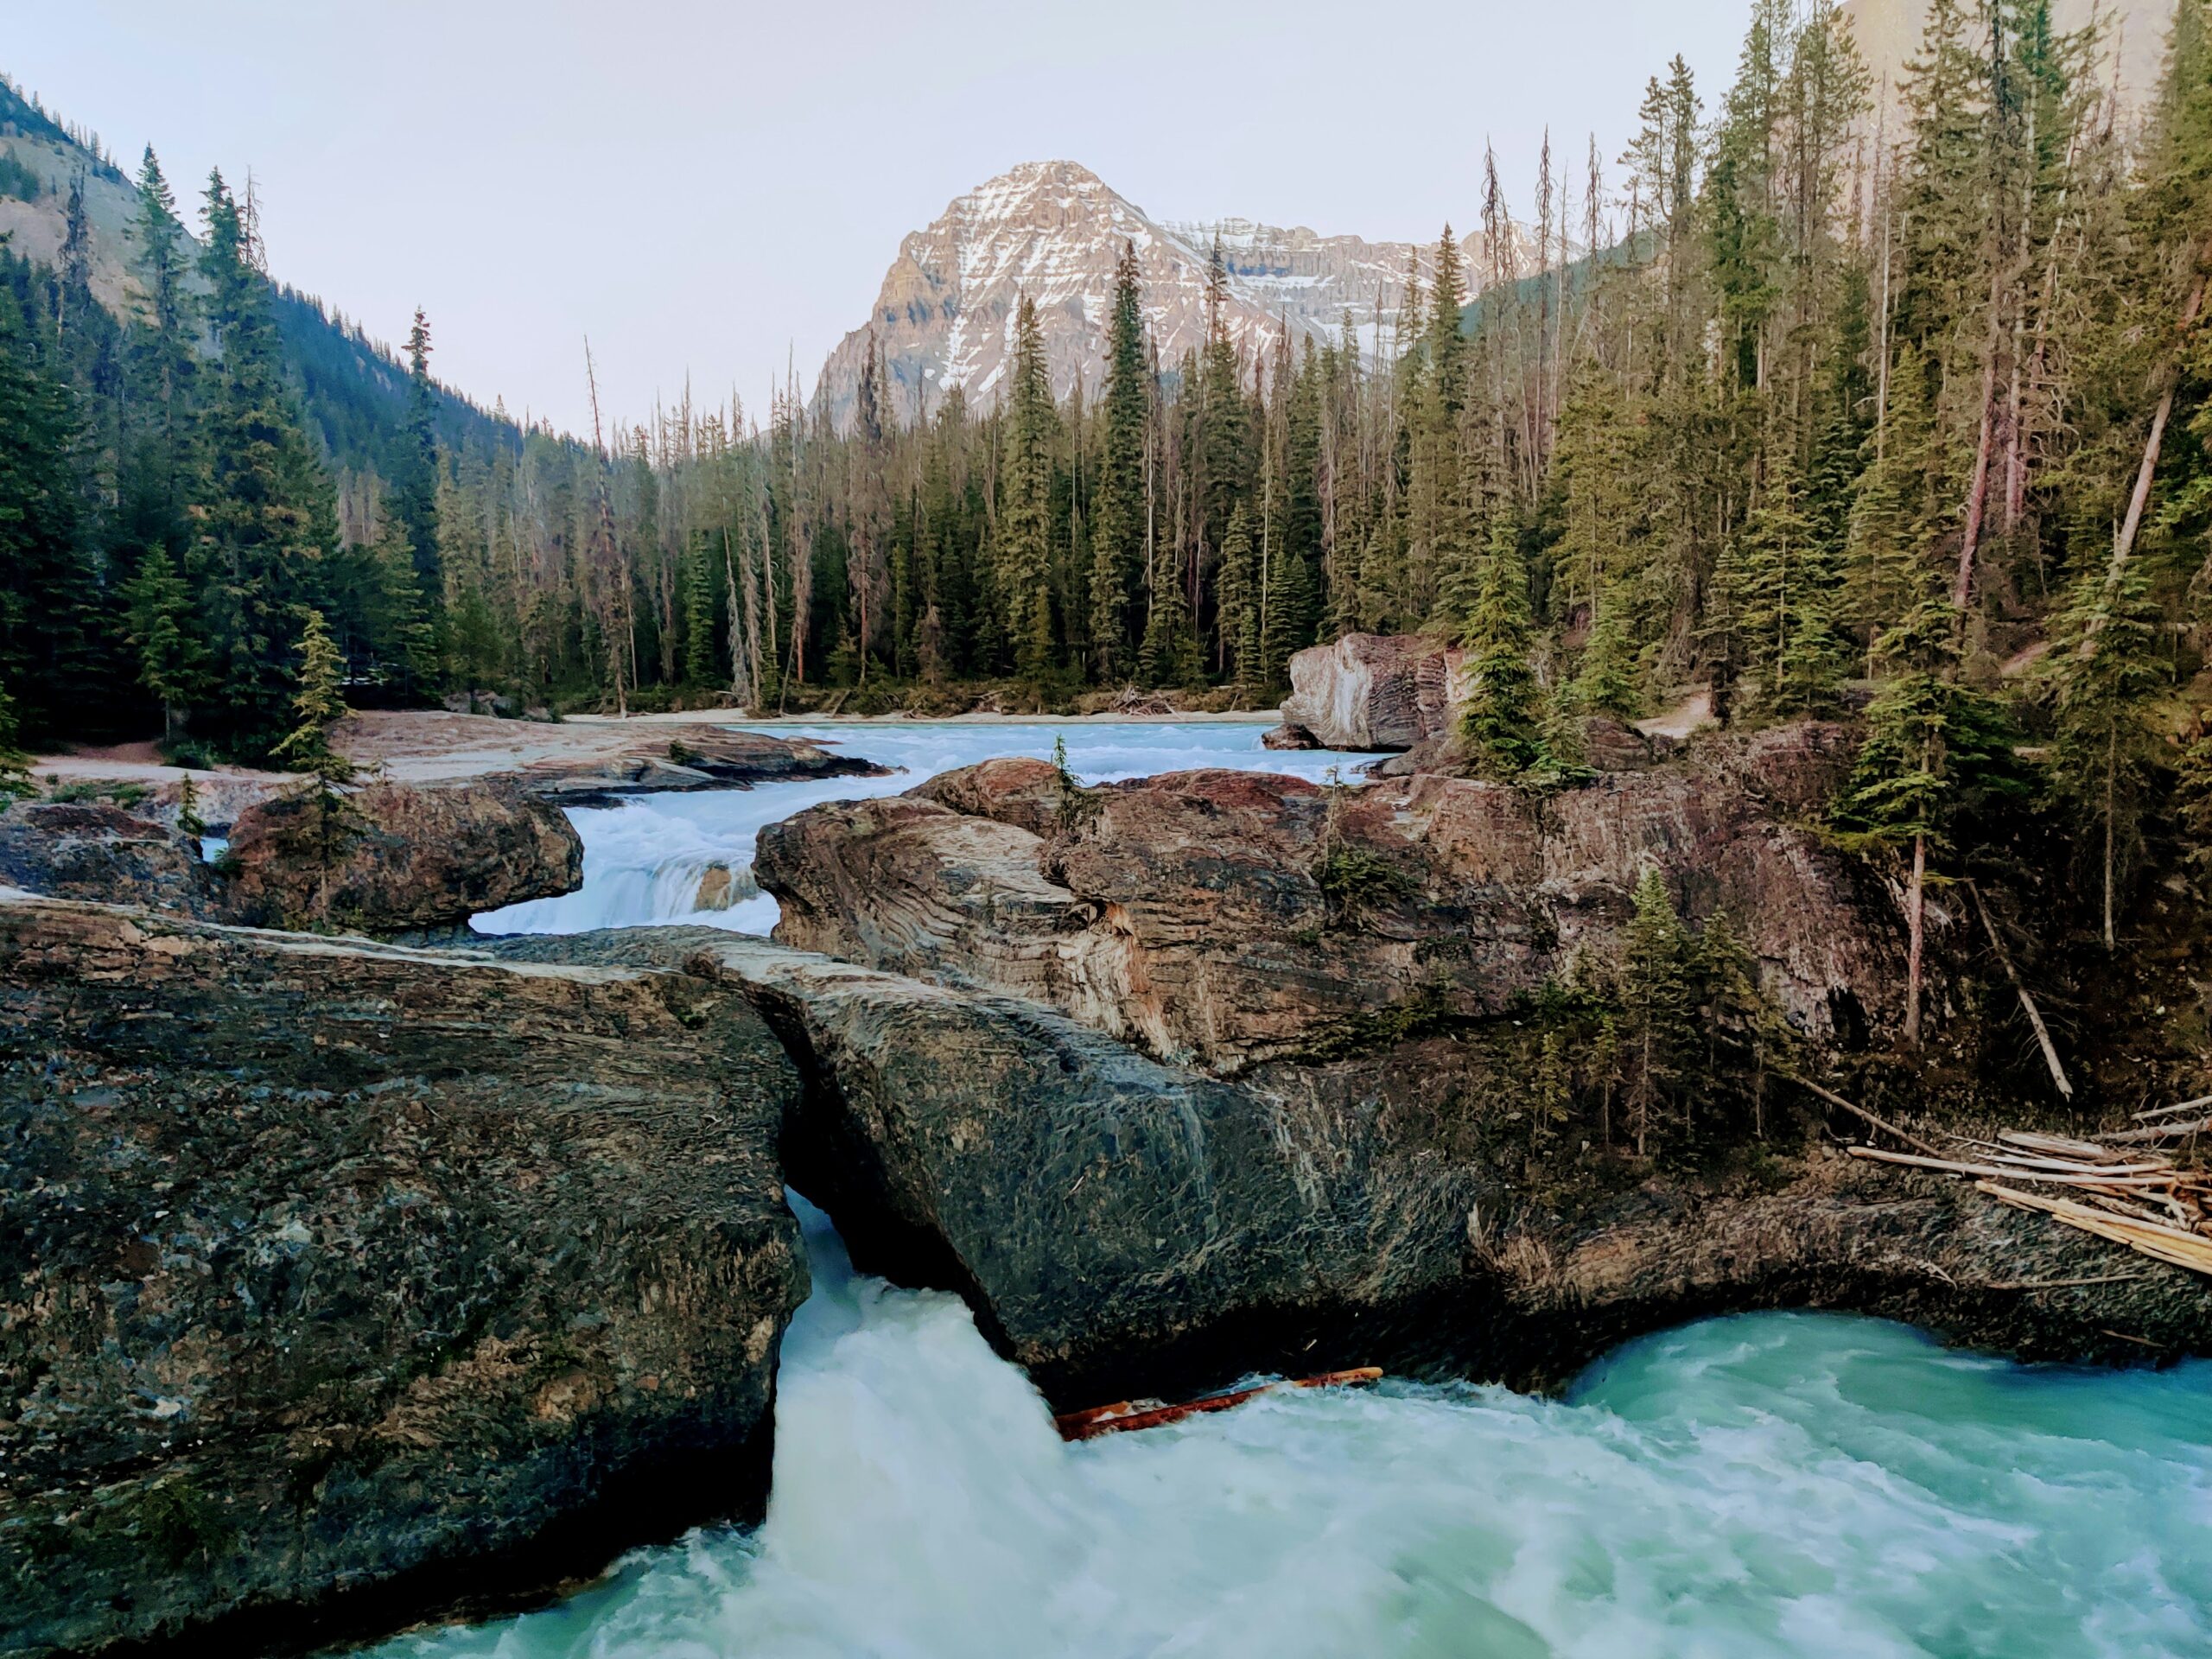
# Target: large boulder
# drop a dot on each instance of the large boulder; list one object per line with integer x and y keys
{"x": 105, "y": 854}
{"x": 1116, "y": 1221}
{"x": 1228, "y": 917}
{"x": 1028, "y": 794}
{"x": 1374, "y": 690}
{"x": 391, "y": 858}
{"x": 342, "y": 1284}
{"x": 1122, "y": 1225}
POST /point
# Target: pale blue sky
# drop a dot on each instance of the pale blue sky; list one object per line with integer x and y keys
{"x": 704, "y": 188}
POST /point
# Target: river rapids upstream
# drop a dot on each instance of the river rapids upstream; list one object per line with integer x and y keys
{"x": 1774, "y": 1484}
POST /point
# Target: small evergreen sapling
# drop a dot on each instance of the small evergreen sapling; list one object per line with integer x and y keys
{"x": 188, "y": 820}
{"x": 14, "y": 767}
{"x": 317, "y": 707}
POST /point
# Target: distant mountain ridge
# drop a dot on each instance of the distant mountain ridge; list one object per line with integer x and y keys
{"x": 1888, "y": 33}
{"x": 1054, "y": 230}
{"x": 353, "y": 388}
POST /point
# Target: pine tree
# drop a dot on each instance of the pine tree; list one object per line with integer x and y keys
{"x": 73, "y": 288}
{"x": 46, "y": 578}
{"x": 1117, "y": 525}
{"x": 1024, "y": 552}
{"x": 1731, "y": 1009}
{"x": 1170, "y": 652}
{"x": 318, "y": 706}
{"x": 171, "y": 661}
{"x": 702, "y": 666}
{"x": 1238, "y": 608}
{"x": 2100, "y": 675}
{"x": 163, "y": 366}
{"x": 1935, "y": 758}
{"x": 1780, "y": 602}
{"x": 267, "y": 514}
{"x": 1500, "y": 722}
{"x": 1655, "y": 1000}
{"x": 415, "y": 492}
{"x": 1608, "y": 683}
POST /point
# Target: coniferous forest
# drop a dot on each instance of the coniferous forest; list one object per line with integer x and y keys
{"x": 1812, "y": 400}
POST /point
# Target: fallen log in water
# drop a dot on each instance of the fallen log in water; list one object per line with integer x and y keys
{"x": 1095, "y": 1421}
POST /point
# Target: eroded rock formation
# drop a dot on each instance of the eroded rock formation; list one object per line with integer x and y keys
{"x": 1374, "y": 690}
{"x": 105, "y": 855}
{"x": 1227, "y": 917}
{"x": 1120, "y": 1225}
{"x": 341, "y": 1283}
{"x": 398, "y": 857}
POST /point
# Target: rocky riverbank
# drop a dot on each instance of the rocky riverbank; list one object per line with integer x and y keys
{"x": 1227, "y": 917}
{"x": 342, "y": 1284}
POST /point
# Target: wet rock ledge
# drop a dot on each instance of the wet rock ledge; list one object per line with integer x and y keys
{"x": 341, "y": 1283}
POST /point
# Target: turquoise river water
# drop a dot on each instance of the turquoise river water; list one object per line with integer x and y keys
{"x": 1769, "y": 1485}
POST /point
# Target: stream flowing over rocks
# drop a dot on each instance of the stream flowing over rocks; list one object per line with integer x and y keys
{"x": 343, "y": 1283}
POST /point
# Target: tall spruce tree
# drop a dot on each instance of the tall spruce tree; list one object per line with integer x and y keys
{"x": 414, "y": 491}
{"x": 1501, "y": 722}
{"x": 1118, "y": 516}
{"x": 266, "y": 512}
{"x": 2101, "y": 674}
{"x": 1025, "y": 551}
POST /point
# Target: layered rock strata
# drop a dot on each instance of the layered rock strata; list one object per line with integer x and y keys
{"x": 1227, "y": 917}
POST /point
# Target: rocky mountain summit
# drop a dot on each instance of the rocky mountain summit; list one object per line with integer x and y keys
{"x": 1053, "y": 230}
{"x": 2133, "y": 40}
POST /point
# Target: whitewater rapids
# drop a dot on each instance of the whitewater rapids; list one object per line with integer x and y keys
{"x": 1771, "y": 1485}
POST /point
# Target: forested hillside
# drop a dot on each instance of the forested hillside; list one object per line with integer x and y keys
{"x": 1917, "y": 428}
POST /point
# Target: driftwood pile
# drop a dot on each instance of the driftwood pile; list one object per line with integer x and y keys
{"x": 2131, "y": 1186}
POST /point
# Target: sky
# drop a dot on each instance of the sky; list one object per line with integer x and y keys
{"x": 712, "y": 191}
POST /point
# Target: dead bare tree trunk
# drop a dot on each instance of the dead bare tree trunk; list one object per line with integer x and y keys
{"x": 1978, "y": 489}
{"x": 2027, "y": 1003}
{"x": 1915, "y": 910}
{"x": 2123, "y": 545}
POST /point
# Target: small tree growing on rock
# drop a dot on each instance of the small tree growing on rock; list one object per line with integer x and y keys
{"x": 1656, "y": 1025}
{"x": 14, "y": 767}
{"x": 317, "y": 707}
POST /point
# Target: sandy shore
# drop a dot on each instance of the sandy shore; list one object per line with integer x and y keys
{"x": 426, "y": 746}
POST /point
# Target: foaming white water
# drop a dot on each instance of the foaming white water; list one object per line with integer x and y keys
{"x": 645, "y": 859}
{"x": 1773, "y": 1484}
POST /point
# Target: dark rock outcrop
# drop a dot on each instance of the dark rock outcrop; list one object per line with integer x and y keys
{"x": 341, "y": 1284}
{"x": 1287, "y": 736}
{"x": 1122, "y": 1225}
{"x": 701, "y": 758}
{"x": 1109, "y": 1217}
{"x": 399, "y": 857}
{"x": 104, "y": 854}
{"x": 1225, "y": 918}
